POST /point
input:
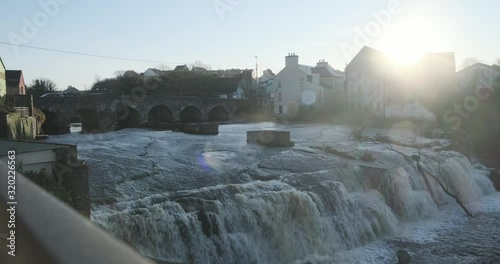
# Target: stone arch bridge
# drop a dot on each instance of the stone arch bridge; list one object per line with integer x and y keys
{"x": 104, "y": 113}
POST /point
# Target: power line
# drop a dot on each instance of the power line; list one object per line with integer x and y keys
{"x": 99, "y": 56}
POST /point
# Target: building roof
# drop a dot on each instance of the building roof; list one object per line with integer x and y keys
{"x": 327, "y": 71}
{"x": 477, "y": 64}
{"x": 181, "y": 68}
{"x": 21, "y": 146}
{"x": 71, "y": 90}
{"x": 1, "y": 61}
{"x": 370, "y": 52}
{"x": 13, "y": 78}
{"x": 306, "y": 69}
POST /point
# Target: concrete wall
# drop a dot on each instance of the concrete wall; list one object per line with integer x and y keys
{"x": 410, "y": 111}
{"x": 76, "y": 183}
{"x": 34, "y": 161}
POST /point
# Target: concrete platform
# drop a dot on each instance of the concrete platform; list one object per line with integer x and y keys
{"x": 272, "y": 138}
{"x": 200, "y": 129}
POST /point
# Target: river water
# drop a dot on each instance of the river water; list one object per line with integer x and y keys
{"x": 215, "y": 199}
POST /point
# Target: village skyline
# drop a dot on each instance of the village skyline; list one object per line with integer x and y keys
{"x": 394, "y": 27}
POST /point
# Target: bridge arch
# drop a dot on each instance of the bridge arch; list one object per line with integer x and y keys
{"x": 127, "y": 117}
{"x": 160, "y": 113}
{"x": 242, "y": 113}
{"x": 218, "y": 114}
{"x": 191, "y": 114}
{"x": 89, "y": 118}
{"x": 52, "y": 122}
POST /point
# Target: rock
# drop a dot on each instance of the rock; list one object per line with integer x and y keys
{"x": 272, "y": 138}
{"x": 403, "y": 257}
{"x": 495, "y": 178}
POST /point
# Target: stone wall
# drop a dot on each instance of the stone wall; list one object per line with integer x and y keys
{"x": 14, "y": 126}
{"x": 76, "y": 183}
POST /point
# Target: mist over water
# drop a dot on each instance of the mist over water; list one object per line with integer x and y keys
{"x": 194, "y": 199}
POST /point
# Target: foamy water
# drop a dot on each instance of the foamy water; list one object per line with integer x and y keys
{"x": 196, "y": 199}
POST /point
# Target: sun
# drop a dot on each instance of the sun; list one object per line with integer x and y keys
{"x": 405, "y": 42}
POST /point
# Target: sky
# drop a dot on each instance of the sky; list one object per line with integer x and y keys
{"x": 231, "y": 33}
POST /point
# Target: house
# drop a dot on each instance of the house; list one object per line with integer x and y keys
{"x": 333, "y": 81}
{"x": 130, "y": 74}
{"x": 15, "y": 82}
{"x": 266, "y": 83}
{"x": 71, "y": 91}
{"x": 477, "y": 76}
{"x": 296, "y": 86}
{"x": 366, "y": 81}
{"x": 3, "y": 84}
{"x": 375, "y": 83}
{"x": 152, "y": 72}
{"x": 183, "y": 68}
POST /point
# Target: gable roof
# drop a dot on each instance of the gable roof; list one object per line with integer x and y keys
{"x": 13, "y": 78}
{"x": 327, "y": 71}
{"x": 477, "y": 64}
{"x": 181, "y": 68}
{"x": 374, "y": 55}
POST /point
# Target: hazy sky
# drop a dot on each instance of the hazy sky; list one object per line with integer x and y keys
{"x": 230, "y": 33}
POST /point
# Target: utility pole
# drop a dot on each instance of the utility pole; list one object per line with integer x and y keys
{"x": 257, "y": 71}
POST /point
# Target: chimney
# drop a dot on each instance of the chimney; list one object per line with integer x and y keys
{"x": 291, "y": 60}
{"x": 322, "y": 64}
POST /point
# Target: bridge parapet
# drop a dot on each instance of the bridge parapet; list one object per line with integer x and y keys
{"x": 106, "y": 112}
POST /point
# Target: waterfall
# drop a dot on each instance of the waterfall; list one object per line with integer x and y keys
{"x": 292, "y": 217}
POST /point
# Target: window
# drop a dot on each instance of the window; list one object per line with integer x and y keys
{"x": 309, "y": 78}
{"x": 280, "y": 109}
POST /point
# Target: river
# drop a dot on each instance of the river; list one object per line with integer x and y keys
{"x": 215, "y": 199}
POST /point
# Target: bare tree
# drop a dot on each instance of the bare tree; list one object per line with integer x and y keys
{"x": 469, "y": 62}
{"x": 426, "y": 173}
{"x": 163, "y": 67}
{"x": 41, "y": 86}
{"x": 119, "y": 74}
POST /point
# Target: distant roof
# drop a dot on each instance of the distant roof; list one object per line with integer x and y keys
{"x": 199, "y": 69}
{"x": 327, "y": 71}
{"x": 26, "y": 146}
{"x": 367, "y": 51}
{"x": 181, "y": 68}
{"x": 477, "y": 64}
{"x": 13, "y": 78}
{"x": 71, "y": 90}
{"x": 306, "y": 69}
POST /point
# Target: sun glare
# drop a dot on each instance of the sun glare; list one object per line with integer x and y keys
{"x": 407, "y": 41}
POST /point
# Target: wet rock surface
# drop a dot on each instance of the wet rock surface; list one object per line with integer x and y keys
{"x": 477, "y": 240}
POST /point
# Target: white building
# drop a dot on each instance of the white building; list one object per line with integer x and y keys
{"x": 334, "y": 82}
{"x": 389, "y": 90}
{"x": 266, "y": 82}
{"x": 296, "y": 85}
{"x": 366, "y": 81}
{"x": 477, "y": 76}
{"x": 152, "y": 72}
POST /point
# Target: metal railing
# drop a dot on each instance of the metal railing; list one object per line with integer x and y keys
{"x": 38, "y": 228}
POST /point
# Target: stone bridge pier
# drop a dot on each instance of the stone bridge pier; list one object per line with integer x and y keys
{"x": 104, "y": 113}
